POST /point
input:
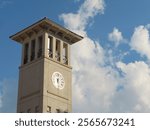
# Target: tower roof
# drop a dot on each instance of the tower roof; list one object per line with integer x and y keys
{"x": 48, "y": 25}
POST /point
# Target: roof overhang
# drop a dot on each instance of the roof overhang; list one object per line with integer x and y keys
{"x": 47, "y": 25}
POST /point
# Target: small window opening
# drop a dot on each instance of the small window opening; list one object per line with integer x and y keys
{"x": 65, "y": 58}
{"x": 26, "y": 50}
{"x": 32, "y": 50}
{"x": 40, "y": 40}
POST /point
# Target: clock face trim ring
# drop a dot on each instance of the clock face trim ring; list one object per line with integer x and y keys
{"x": 58, "y": 80}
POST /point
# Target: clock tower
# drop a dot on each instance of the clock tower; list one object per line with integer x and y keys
{"x": 45, "y": 73}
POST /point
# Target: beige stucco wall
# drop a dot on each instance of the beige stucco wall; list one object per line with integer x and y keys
{"x": 30, "y": 86}
{"x": 54, "y": 97}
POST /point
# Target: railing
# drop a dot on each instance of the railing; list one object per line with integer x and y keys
{"x": 65, "y": 60}
{"x": 57, "y": 56}
{"x": 50, "y": 53}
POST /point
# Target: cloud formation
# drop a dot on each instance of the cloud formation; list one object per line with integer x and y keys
{"x": 136, "y": 85}
{"x": 78, "y": 21}
{"x": 0, "y": 100}
{"x": 140, "y": 41}
{"x": 93, "y": 83}
{"x": 8, "y": 95}
{"x": 116, "y": 37}
{"x": 100, "y": 82}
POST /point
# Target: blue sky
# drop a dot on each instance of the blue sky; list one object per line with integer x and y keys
{"x": 116, "y": 47}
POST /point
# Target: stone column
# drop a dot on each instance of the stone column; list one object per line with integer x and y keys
{"x": 68, "y": 54}
{"x": 61, "y": 51}
{"x": 45, "y": 45}
{"x": 54, "y": 47}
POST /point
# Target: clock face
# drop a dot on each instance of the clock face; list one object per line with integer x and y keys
{"x": 58, "y": 80}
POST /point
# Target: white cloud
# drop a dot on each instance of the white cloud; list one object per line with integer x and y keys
{"x": 136, "y": 86}
{"x": 8, "y": 95}
{"x": 0, "y": 101}
{"x": 78, "y": 21}
{"x": 140, "y": 41}
{"x": 1, "y": 94}
{"x": 93, "y": 84}
{"x": 99, "y": 84}
{"x": 116, "y": 37}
